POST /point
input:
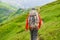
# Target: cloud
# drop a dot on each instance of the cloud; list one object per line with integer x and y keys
{"x": 32, "y": 3}
{"x": 27, "y": 3}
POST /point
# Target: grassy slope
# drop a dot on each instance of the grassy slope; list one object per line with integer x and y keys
{"x": 7, "y": 6}
{"x": 50, "y": 30}
{"x": 51, "y": 16}
{"x": 7, "y": 12}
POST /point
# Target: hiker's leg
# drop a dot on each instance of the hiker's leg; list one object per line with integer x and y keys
{"x": 35, "y": 34}
{"x": 31, "y": 33}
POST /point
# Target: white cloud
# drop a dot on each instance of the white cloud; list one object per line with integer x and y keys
{"x": 27, "y": 3}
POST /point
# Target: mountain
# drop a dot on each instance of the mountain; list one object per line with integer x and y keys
{"x": 14, "y": 29}
{"x": 7, "y": 12}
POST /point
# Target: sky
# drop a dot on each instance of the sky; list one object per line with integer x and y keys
{"x": 27, "y": 3}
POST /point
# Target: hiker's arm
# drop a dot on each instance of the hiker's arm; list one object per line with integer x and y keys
{"x": 27, "y": 24}
{"x": 40, "y": 22}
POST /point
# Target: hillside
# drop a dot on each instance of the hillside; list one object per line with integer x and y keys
{"x": 7, "y": 12}
{"x": 50, "y": 30}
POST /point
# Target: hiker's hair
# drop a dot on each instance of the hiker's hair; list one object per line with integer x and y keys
{"x": 33, "y": 9}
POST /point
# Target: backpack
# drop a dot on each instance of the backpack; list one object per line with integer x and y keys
{"x": 33, "y": 20}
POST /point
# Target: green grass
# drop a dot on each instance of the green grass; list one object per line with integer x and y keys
{"x": 14, "y": 29}
{"x": 7, "y": 12}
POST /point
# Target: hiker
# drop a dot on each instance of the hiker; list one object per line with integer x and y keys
{"x": 33, "y": 23}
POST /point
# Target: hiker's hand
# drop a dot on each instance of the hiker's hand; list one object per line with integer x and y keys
{"x": 26, "y": 29}
{"x": 42, "y": 23}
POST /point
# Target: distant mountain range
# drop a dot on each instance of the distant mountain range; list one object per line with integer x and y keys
{"x": 7, "y": 11}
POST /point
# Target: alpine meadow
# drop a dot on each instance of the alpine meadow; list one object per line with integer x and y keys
{"x": 13, "y": 21}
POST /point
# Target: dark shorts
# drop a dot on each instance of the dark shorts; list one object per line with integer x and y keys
{"x": 34, "y": 34}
